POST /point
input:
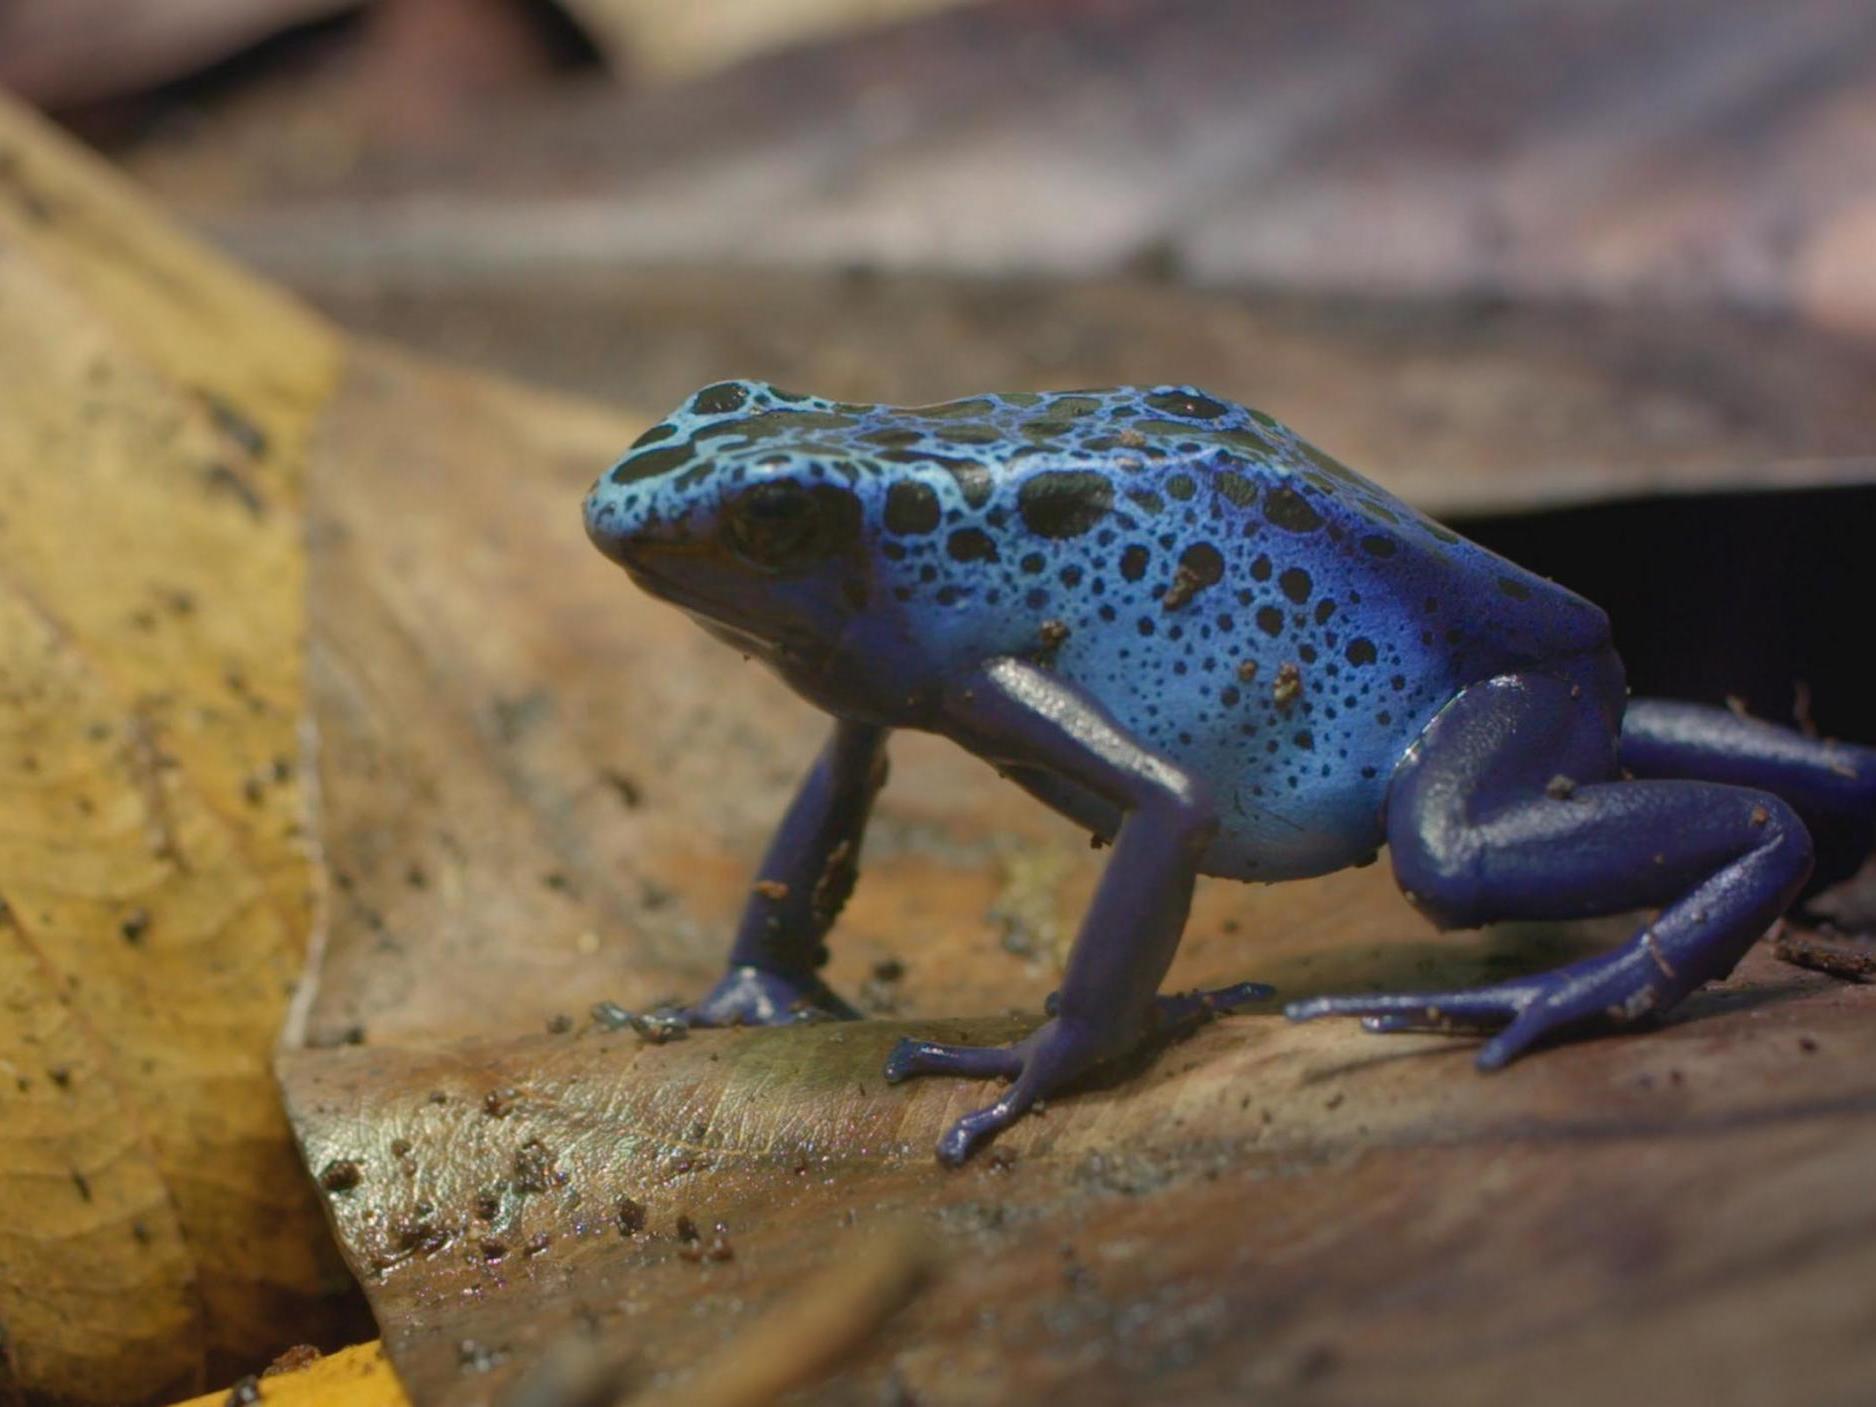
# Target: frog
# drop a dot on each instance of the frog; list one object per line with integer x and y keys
{"x": 1221, "y": 651}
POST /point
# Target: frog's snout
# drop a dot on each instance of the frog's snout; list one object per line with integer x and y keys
{"x": 608, "y": 527}
{"x": 630, "y": 527}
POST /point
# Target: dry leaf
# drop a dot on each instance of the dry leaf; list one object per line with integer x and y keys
{"x": 1269, "y": 1212}
{"x": 360, "y": 1376}
{"x": 153, "y": 853}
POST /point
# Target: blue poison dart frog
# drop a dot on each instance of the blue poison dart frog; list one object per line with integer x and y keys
{"x": 1187, "y": 629}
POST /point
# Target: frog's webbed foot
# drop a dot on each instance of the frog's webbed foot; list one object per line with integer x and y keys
{"x": 1613, "y": 988}
{"x": 755, "y": 996}
{"x": 1051, "y": 1059}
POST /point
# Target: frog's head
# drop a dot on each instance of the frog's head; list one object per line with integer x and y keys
{"x": 732, "y": 509}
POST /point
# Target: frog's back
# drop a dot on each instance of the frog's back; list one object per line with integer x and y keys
{"x": 1236, "y": 598}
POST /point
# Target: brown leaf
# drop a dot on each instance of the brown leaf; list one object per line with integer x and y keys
{"x": 153, "y": 409}
{"x": 1266, "y": 1210}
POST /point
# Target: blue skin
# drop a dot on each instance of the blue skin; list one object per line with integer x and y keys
{"x": 1182, "y": 626}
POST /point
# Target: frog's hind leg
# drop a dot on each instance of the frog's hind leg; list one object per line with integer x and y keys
{"x": 1831, "y": 785}
{"x": 1510, "y": 806}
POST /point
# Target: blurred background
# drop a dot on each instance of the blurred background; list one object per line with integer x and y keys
{"x": 1589, "y": 276}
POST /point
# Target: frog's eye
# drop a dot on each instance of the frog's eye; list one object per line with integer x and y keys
{"x": 781, "y": 526}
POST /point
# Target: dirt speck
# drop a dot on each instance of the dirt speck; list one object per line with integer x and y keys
{"x": 1851, "y": 956}
{"x": 500, "y": 1103}
{"x": 630, "y": 1215}
{"x": 301, "y": 1355}
{"x": 534, "y": 1169}
{"x": 1288, "y": 687}
{"x": 630, "y": 795}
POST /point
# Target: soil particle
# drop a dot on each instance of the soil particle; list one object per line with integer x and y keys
{"x": 301, "y": 1355}
{"x": 1288, "y": 686}
{"x": 1850, "y": 956}
{"x": 499, "y": 1103}
{"x": 534, "y": 1168}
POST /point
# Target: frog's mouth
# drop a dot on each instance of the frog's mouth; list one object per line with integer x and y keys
{"x": 756, "y": 616}
{"x": 775, "y": 642}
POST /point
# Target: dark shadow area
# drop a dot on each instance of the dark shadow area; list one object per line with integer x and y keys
{"x": 1748, "y": 595}
{"x": 294, "y": 54}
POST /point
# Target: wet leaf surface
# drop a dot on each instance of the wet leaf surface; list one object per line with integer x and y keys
{"x": 1302, "y": 1214}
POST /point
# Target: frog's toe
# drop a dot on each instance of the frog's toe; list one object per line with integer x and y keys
{"x": 1051, "y": 1058}
{"x": 972, "y": 1062}
{"x": 1518, "y": 1011}
{"x": 911, "y": 1058}
{"x": 972, "y": 1131}
{"x": 1482, "y": 1010}
{"x": 1177, "y": 1014}
{"x": 1518, "y": 1015}
{"x": 755, "y": 996}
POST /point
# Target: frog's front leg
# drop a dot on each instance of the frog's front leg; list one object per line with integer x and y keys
{"x": 803, "y": 882}
{"x": 1510, "y": 805}
{"x": 1010, "y": 712}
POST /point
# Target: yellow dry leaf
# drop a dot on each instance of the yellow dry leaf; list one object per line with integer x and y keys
{"x": 359, "y": 1376}
{"x": 87, "y": 1202}
{"x": 154, "y": 856}
{"x": 155, "y": 404}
